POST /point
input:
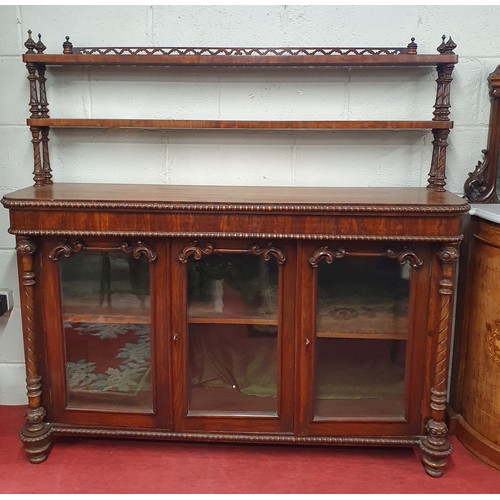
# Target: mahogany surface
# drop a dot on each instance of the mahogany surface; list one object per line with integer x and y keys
{"x": 239, "y": 124}
{"x": 299, "y": 230}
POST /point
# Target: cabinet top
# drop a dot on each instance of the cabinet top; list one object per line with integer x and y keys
{"x": 235, "y": 198}
{"x": 240, "y": 56}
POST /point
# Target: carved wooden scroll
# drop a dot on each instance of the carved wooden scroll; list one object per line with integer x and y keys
{"x": 481, "y": 185}
{"x": 197, "y": 252}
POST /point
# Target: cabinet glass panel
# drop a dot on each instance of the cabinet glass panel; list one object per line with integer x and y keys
{"x": 232, "y": 335}
{"x": 361, "y": 335}
{"x": 106, "y": 312}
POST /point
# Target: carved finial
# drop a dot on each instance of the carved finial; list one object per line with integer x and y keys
{"x": 450, "y": 46}
{"x": 30, "y": 44}
{"x": 412, "y": 46}
{"x": 67, "y": 46}
{"x": 40, "y": 47}
{"x": 442, "y": 48}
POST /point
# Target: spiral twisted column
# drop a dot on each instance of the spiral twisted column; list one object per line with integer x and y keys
{"x": 36, "y": 432}
{"x": 435, "y": 444}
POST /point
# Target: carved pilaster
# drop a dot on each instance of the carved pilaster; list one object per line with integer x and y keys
{"x": 36, "y": 432}
{"x": 435, "y": 444}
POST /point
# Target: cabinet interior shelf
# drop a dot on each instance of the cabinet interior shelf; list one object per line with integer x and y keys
{"x": 241, "y": 124}
{"x": 106, "y": 318}
{"x": 233, "y": 321}
{"x": 362, "y": 335}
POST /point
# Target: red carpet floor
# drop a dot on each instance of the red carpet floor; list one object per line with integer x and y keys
{"x": 112, "y": 466}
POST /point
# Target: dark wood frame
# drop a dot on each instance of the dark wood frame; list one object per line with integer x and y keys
{"x": 421, "y": 225}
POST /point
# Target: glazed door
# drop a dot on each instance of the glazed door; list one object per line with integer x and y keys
{"x": 104, "y": 351}
{"x": 362, "y": 347}
{"x": 233, "y": 336}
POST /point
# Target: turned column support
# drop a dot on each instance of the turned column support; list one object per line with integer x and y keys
{"x": 435, "y": 444}
{"x": 39, "y": 108}
{"x": 35, "y": 434}
{"x": 437, "y": 173}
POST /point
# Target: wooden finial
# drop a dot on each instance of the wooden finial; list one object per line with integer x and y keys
{"x": 30, "y": 44}
{"x": 442, "y": 48}
{"x": 67, "y": 46}
{"x": 450, "y": 46}
{"x": 40, "y": 47}
{"x": 412, "y": 46}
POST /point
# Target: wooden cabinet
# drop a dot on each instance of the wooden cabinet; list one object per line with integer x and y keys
{"x": 250, "y": 314}
{"x": 476, "y": 382}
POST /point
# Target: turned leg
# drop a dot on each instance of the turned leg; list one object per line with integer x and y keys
{"x": 35, "y": 434}
{"x": 435, "y": 445}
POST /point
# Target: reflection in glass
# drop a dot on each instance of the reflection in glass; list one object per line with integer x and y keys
{"x": 232, "y": 335}
{"x": 361, "y": 332}
{"x": 106, "y": 311}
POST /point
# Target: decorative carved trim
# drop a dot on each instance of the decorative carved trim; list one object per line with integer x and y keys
{"x": 240, "y": 51}
{"x": 227, "y": 437}
{"x": 476, "y": 187}
{"x": 480, "y": 186}
{"x": 229, "y": 207}
{"x": 324, "y": 253}
{"x": 436, "y": 445}
{"x": 198, "y": 252}
{"x": 224, "y": 235}
{"x": 67, "y": 249}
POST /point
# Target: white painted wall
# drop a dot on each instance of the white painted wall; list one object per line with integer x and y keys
{"x": 236, "y": 157}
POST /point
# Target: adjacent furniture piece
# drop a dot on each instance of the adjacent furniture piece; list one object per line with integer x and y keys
{"x": 483, "y": 185}
{"x": 240, "y": 314}
{"x": 475, "y": 394}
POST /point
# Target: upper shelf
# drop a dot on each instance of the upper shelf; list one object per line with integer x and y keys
{"x": 241, "y": 124}
{"x": 240, "y": 56}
